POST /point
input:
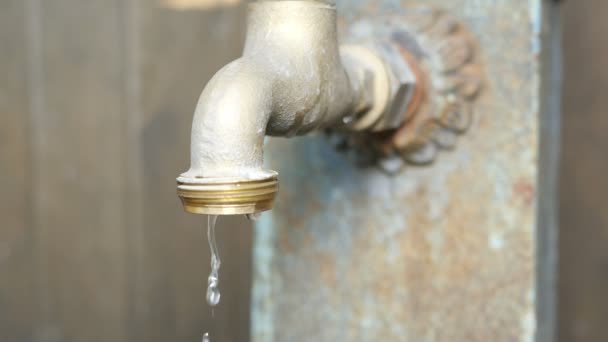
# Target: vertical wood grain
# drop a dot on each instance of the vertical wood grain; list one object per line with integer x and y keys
{"x": 138, "y": 305}
{"x": 94, "y": 128}
{"x": 78, "y": 181}
{"x": 180, "y": 51}
{"x": 584, "y": 218}
{"x": 17, "y": 305}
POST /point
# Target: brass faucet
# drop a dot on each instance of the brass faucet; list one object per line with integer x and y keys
{"x": 292, "y": 79}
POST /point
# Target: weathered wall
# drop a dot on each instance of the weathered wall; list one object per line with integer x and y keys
{"x": 441, "y": 253}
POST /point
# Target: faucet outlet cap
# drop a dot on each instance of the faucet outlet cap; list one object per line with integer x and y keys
{"x": 228, "y": 196}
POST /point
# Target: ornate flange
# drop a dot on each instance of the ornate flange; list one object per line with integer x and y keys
{"x": 442, "y": 54}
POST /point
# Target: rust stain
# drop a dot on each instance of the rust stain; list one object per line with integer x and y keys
{"x": 327, "y": 269}
{"x": 525, "y": 190}
{"x": 285, "y": 244}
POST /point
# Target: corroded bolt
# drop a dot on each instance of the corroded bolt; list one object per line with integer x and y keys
{"x": 402, "y": 86}
{"x": 386, "y": 81}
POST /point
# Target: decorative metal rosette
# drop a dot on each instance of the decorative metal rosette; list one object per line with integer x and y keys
{"x": 444, "y": 57}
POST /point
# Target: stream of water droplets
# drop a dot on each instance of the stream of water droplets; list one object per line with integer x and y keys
{"x": 213, "y": 291}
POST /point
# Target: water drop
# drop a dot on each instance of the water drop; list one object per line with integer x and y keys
{"x": 348, "y": 119}
{"x": 206, "y": 337}
{"x": 254, "y": 217}
{"x": 213, "y": 291}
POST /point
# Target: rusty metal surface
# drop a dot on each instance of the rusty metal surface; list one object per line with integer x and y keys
{"x": 442, "y": 253}
{"x": 447, "y": 78}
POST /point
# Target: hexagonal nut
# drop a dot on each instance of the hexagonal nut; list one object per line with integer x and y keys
{"x": 386, "y": 82}
{"x": 402, "y": 87}
{"x": 370, "y": 80}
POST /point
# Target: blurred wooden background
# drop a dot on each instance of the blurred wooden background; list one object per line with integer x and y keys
{"x": 95, "y": 112}
{"x": 96, "y": 101}
{"x": 583, "y": 268}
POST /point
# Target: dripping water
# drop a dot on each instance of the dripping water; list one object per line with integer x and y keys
{"x": 213, "y": 291}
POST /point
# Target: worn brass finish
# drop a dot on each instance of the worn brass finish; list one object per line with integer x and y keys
{"x": 228, "y": 196}
{"x": 292, "y": 79}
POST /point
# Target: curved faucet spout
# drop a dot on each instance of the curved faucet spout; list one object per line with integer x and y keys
{"x": 230, "y": 122}
{"x": 289, "y": 81}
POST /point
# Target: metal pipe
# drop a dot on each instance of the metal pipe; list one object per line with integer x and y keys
{"x": 289, "y": 81}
